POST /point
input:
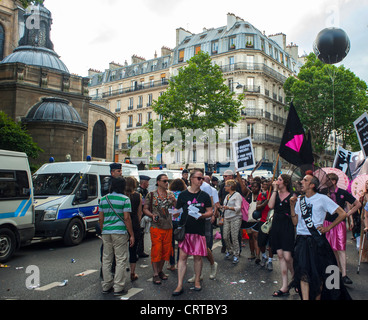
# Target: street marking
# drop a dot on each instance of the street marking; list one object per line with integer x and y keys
{"x": 86, "y": 273}
{"x": 132, "y": 292}
{"x": 48, "y": 287}
{"x": 57, "y": 284}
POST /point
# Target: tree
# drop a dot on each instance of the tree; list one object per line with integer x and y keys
{"x": 327, "y": 98}
{"x": 26, "y": 3}
{"x": 198, "y": 98}
{"x": 14, "y": 138}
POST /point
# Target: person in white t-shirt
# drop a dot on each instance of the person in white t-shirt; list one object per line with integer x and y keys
{"x": 310, "y": 258}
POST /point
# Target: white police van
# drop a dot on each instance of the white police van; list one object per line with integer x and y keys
{"x": 17, "y": 217}
{"x": 67, "y": 197}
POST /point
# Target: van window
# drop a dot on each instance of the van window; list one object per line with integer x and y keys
{"x": 55, "y": 184}
{"x": 14, "y": 185}
{"x": 88, "y": 188}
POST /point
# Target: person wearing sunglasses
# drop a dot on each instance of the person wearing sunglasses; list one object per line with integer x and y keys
{"x": 197, "y": 206}
{"x": 156, "y": 206}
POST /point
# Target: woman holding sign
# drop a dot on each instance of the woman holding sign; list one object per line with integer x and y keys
{"x": 197, "y": 206}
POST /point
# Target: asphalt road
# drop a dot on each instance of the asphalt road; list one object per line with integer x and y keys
{"x": 80, "y": 267}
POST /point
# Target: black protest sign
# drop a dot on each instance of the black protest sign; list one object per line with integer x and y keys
{"x": 243, "y": 154}
{"x": 361, "y": 127}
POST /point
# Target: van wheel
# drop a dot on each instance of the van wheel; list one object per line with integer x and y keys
{"x": 8, "y": 244}
{"x": 74, "y": 233}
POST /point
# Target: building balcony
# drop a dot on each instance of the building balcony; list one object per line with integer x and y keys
{"x": 135, "y": 88}
{"x": 254, "y": 67}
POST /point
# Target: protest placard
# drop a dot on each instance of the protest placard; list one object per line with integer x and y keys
{"x": 243, "y": 154}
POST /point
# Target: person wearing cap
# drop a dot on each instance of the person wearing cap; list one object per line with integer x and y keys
{"x": 143, "y": 190}
{"x": 184, "y": 176}
{"x": 115, "y": 172}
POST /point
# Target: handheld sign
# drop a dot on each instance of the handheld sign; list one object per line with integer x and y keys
{"x": 361, "y": 127}
{"x": 244, "y": 155}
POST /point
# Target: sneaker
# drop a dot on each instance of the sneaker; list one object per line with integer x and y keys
{"x": 347, "y": 280}
{"x": 269, "y": 266}
{"x": 120, "y": 293}
{"x": 213, "y": 271}
{"x": 263, "y": 261}
{"x": 235, "y": 260}
{"x": 192, "y": 279}
{"x": 108, "y": 291}
{"x": 227, "y": 256}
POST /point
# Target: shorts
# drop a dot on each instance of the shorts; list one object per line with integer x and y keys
{"x": 161, "y": 244}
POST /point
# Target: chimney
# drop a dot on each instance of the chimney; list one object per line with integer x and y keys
{"x": 231, "y": 19}
{"x": 165, "y": 51}
{"x": 113, "y": 65}
{"x": 136, "y": 59}
{"x": 181, "y": 34}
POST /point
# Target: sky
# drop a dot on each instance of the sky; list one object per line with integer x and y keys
{"x": 93, "y": 33}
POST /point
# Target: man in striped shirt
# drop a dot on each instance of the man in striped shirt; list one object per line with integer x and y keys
{"x": 117, "y": 231}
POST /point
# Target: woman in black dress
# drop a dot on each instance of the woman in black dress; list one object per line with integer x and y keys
{"x": 282, "y": 234}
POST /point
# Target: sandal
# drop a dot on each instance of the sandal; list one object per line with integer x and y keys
{"x": 280, "y": 293}
{"x": 156, "y": 280}
{"x": 162, "y": 276}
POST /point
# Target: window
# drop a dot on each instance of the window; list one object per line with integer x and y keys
{"x": 150, "y": 99}
{"x": 215, "y": 45}
{"x": 118, "y": 106}
{"x": 130, "y": 121}
{"x": 197, "y": 49}
{"x": 131, "y": 104}
{"x": 231, "y": 63}
{"x": 149, "y": 116}
{"x": 181, "y": 55}
{"x": 231, "y": 85}
{"x": 88, "y": 188}
{"x": 139, "y": 123}
{"x": 140, "y": 102}
{"x": 99, "y": 138}
{"x": 14, "y": 185}
{"x": 250, "y": 130}
{"x": 249, "y": 41}
{"x": 232, "y": 43}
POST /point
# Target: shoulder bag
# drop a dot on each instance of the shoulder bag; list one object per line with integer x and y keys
{"x": 108, "y": 201}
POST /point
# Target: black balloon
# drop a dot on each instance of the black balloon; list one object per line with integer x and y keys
{"x": 332, "y": 45}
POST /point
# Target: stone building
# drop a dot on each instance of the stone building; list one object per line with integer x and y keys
{"x": 252, "y": 63}
{"x": 37, "y": 88}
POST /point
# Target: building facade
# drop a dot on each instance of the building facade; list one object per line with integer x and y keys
{"x": 253, "y": 64}
{"x": 37, "y": 89}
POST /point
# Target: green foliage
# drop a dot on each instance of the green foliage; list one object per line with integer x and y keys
{"x": 327, "y": 98}
{"x": 198, "y": 98}
{"x": 14, "y": 138}
{"x": 26, "y": 3}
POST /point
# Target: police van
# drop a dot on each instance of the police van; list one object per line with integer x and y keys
{"x": 17, "y": 216}
{"x": 67, "y": 197}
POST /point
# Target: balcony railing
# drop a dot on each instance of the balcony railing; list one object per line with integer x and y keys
{"x": 244, "y": 66}
{"x": 137, "y": 87}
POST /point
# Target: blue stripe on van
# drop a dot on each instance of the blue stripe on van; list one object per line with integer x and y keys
{"x": 70, "y": 213}
{"x": 26, "y": 208}
{"x": 16, "y": 213}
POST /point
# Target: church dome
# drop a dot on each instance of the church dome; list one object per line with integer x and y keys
{"x": 36, "y": 56}
{"x": 55, "y": 110}
{"x": 35, "y": 47}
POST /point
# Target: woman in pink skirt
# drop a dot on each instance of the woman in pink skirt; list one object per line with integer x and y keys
{"x": 337, "y": 236}
{"x": 197, "y": 206}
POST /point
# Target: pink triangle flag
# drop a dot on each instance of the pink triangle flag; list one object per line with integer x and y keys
{"x": 296, "y": 143}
